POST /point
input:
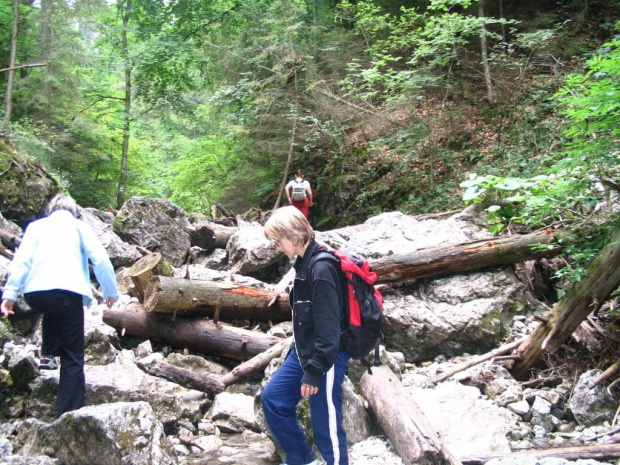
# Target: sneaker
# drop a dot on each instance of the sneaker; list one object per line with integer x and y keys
{"x": 47, "y": 363}
{"x": 314, "y": 462}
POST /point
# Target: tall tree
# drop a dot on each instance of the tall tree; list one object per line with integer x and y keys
{"x": 128, "y": 66}
{"x": 485, "y": 54}
{"x": 8, "y": 97}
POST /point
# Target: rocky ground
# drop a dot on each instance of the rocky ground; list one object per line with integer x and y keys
{"x": 432, "y": 326}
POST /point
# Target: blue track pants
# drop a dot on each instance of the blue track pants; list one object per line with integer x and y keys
{"x": 280, "y": 399}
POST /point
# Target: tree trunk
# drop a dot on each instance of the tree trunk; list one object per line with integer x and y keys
{"x": 403, "y": 422}
{"x": 213, "y": 386}
{"x": 211, "y": 236}
{"x": 594, "y": 452}
{"x": 289, "y": 159}
{"x": 439, "y": 261}
{"x": 122, "y": 182}
{"x": 183, "y": 377}
{"x": 216, "y": 299}
{"x": 8, "y": 96}
{"x": 484, "y": 52}
{"x": 585, "y": 296}
{"x": 200, "y": 336}
{"x": 145, "y": 268}
{"x": 476, "y": 361}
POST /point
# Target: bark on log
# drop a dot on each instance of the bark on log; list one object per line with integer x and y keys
{"x": 584, "y": 297}
{"x": 255, "y": 364}
{"x": 494, "y": 353}
{"x": 201, "y": 336}
{"x": 222, "y": 234}
{"x": 145, "y": 268}
{"x": 183, "y": 377}
{"x": 211, "y": 236}
{"x": 412, "y": 436}
{"x": 210, "y": 298}
{"x": 595, "y": 452}
{"x": 210, "y": 385}
{"x": 439, "y": 261}
{"x": 202, "y": 237}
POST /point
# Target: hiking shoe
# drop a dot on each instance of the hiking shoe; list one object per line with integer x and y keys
{"x": 47, "y": 363}
{"x": 314, "y": 462}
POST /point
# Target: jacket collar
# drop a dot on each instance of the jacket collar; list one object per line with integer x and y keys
{"x": 301, "y": 263}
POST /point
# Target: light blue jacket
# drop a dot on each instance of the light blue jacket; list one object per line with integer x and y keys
{"x": 54, "y": 254}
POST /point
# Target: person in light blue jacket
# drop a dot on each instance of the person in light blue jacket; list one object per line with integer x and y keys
{"x": 51, "y": 269}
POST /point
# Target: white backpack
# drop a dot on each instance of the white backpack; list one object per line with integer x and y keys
{"x": 298, "y": 192}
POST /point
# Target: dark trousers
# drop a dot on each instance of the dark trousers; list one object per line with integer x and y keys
{"x": 63, "y": 335}
{"x": 280, "y": 399}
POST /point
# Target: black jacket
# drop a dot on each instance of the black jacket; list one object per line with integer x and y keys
{"x": 319, "y": 315}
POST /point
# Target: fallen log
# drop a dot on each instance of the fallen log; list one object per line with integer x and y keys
{"x": 183, "y": 377}
{"x": 476, "y": 361}
{"x": 255, "y": 364}
{"x": 584, "y": 297}
{"x": 233, "y": 301}
{"x": 201, "y": 336}
{"x": 226, "y": 300}
{"x": 210, "y": 385}
{"x": 439, "y": 261}
{"x": 145, "y": 268}
{"x": 594, "y": 452}
{"x": 405, "y": 425}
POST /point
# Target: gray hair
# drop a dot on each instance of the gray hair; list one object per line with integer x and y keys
{"x": 63, "y": 202}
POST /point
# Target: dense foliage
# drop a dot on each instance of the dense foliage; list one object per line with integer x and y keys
{"x": 415, "y": 105}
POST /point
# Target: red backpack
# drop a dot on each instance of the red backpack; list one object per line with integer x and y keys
{"x": 365, "y": 305}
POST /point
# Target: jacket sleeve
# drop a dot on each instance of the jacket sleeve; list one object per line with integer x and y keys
{"x": 98, "y": 256}
{"x": 326, "y": 304}
{"x": 21, "y": 264}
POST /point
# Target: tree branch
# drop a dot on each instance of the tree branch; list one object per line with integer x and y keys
{"x": 31, "y": 65}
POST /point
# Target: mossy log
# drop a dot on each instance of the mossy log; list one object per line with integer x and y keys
{"x": 470, "y": 256}
{"x": 205, "y": 337}
{"x": 215, "y": 299}
{"x": 584, "y": 297}
{"x": 405, "y": 425}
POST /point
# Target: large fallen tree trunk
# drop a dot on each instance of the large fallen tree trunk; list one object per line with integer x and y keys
{"x": 412, "y": 436}
{"x": 201, "y": 336}
{"x": 183, "y": 377}
{"x": 594, "y": 452}
{"x": 439, "y": 261}
{"x": 216, "y": 299}
{"x": 211, "y": 236}
{"x": 210, "y": 385}
{"x": 232, "y": 301}
{"x": 584, "y": 297}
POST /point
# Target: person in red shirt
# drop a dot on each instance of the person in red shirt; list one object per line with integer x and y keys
{"x": 299, "y": 193}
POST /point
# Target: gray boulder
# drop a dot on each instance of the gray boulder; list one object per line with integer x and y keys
{"x": 120, "y": 252}
{"x": 591, "y": 406}
{"x": 155, "y": 224}
{"x": 111, "y": 434}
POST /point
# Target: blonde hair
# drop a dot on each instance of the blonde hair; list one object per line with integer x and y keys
{"x": 290, "y": 223}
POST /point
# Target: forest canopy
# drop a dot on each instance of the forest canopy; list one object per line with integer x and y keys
{"x": 420, "y": 106}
